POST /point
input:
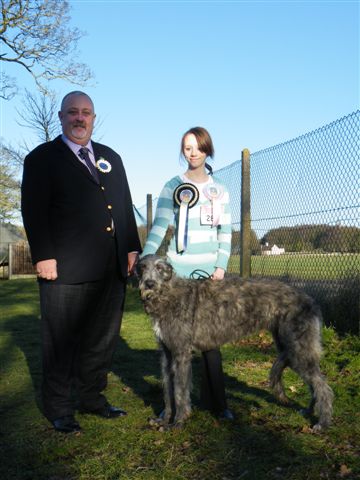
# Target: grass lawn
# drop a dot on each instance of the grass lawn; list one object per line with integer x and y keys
{"x": 266, "y": 441}
{"x": 306, "y": 266}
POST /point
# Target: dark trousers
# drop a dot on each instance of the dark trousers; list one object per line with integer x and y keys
{"x": 212, "y": 395}
{"x": 80, "y": 329}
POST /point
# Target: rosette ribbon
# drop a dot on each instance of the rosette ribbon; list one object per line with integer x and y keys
{"x": 214, "y": 192}
{"x": 186, "y": 196}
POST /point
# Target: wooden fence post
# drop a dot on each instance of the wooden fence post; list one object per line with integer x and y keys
{"x": 245, "y": 237}
{"x": 10, "y": 265}
{"x": 148, "y": 213}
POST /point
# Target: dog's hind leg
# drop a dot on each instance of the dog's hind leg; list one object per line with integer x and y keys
{"x": 276, "y": 377}
{"x": 321, "y": 394}
{"x": 277, "y": 369}
{"x": 168, "y": 384}
{"x": 181, "y": 368}
{"x": 310, "y": 409}
{"x": 305, "y": 361}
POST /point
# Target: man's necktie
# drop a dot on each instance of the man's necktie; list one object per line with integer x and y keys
{"x": 84, "y": 154}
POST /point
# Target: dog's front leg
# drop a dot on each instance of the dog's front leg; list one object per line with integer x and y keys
{"x": 181, "y": 369}
{"x": 168, "y": 384}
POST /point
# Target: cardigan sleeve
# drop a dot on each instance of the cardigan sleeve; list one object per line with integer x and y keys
{"x": 164, "y": 217}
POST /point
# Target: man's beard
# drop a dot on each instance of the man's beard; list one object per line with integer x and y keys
{"x": 78, "y": 131}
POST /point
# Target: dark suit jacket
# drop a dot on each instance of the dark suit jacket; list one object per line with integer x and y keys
{"x": 67, "y": 215}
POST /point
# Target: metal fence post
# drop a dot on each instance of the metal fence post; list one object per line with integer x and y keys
{"x": 245, "y": 247}
{"x": 148, "y": 212}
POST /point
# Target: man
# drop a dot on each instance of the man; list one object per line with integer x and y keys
{"x": 83, "y": 238}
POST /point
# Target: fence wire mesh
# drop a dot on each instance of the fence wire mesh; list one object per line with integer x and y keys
{"x": 305, "y": 216}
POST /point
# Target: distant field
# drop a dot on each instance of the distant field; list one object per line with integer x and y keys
{"x": 305, "y": 266}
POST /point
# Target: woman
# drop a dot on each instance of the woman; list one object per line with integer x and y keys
{"x": 197, "y": 204}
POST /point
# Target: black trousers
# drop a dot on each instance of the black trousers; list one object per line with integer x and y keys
{"x": 80, "y": 329}
{"x": 212, "y": 394}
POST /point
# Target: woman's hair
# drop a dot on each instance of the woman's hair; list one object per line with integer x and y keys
{"x": 204, "y": 142}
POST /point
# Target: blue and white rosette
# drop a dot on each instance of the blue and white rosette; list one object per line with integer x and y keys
{"x": 214, "y": 192}
{"x": 103, "y": 165}
{"x": 186, "y": 196}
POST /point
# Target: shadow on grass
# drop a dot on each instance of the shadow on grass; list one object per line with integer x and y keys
{"x": 140, "y": 371}
{"x": 134, "y": 367}
{"x": 20, "y": 323}
{"x": 247, "y": 448}
{"x": 24, "y": 333}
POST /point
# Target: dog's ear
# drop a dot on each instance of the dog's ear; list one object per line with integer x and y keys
{"x": 141, "y": 264}
{"x": 164, "y": 268}
{"x": 139, "y": 269}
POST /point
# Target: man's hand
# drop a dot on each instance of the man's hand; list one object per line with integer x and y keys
{"x": 218, "y": 274}
{"x": 132, "y": 260}
{"x": 46, "y": 269}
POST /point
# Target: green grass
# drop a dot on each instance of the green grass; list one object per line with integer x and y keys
{"x": 267, "y": 440}
{"x": 332, "y": 280}
{"x": 304, "y": 266}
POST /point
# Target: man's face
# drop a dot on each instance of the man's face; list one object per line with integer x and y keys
{"x": 77, "y": 118}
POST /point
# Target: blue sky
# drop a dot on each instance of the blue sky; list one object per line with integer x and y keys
{"x": 254, "y": 73}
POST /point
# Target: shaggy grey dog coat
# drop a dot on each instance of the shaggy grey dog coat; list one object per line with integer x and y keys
{"x": 190, "y": 315}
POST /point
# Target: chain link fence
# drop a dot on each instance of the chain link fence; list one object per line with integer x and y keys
{"x": 305, "y": 216}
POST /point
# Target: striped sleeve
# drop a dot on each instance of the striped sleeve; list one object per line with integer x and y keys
{"x": 163, "y": 218}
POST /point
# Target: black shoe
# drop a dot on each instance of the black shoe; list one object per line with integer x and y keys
{"x": 107, "y": 411}
{"x": 66, "y": 424}
{"x": 226, "y": 415}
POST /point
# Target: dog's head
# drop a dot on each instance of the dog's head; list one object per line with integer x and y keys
{"x": 153, "y": 272}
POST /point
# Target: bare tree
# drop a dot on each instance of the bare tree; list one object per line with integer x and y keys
{"x": 8, "y": 87}
{"x": 35, "y": 35}
{"x": 40, "y": 113}
{"x": 10, "y": 161}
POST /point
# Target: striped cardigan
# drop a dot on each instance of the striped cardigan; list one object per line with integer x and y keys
{"x": 208, "y": 247}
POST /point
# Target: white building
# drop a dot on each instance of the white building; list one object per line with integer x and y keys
{"x": 274, "y": 250}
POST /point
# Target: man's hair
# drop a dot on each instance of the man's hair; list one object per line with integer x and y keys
{"x": 75, "y": 92}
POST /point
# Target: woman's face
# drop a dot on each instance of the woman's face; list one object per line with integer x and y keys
{"x": 193, "y": 155}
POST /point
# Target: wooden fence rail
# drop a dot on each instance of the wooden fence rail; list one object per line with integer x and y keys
{"x": 20, "y": 260}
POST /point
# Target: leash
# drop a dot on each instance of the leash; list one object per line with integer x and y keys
{"x": 199, "y": 275}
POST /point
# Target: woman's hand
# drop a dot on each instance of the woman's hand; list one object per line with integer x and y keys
{"x": 218, "y": 274}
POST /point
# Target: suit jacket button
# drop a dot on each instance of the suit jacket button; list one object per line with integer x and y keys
{"x": 108, "y": 229}
{"x": 102, "y": 188}
{"x": 109, "y": 207}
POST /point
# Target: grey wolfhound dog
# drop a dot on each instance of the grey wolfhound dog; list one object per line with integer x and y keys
{"x": 190, "y": 315}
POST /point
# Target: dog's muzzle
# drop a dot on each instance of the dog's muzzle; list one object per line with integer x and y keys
{"x": 146, "y": 289}
{"x": 149, "y": 284}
